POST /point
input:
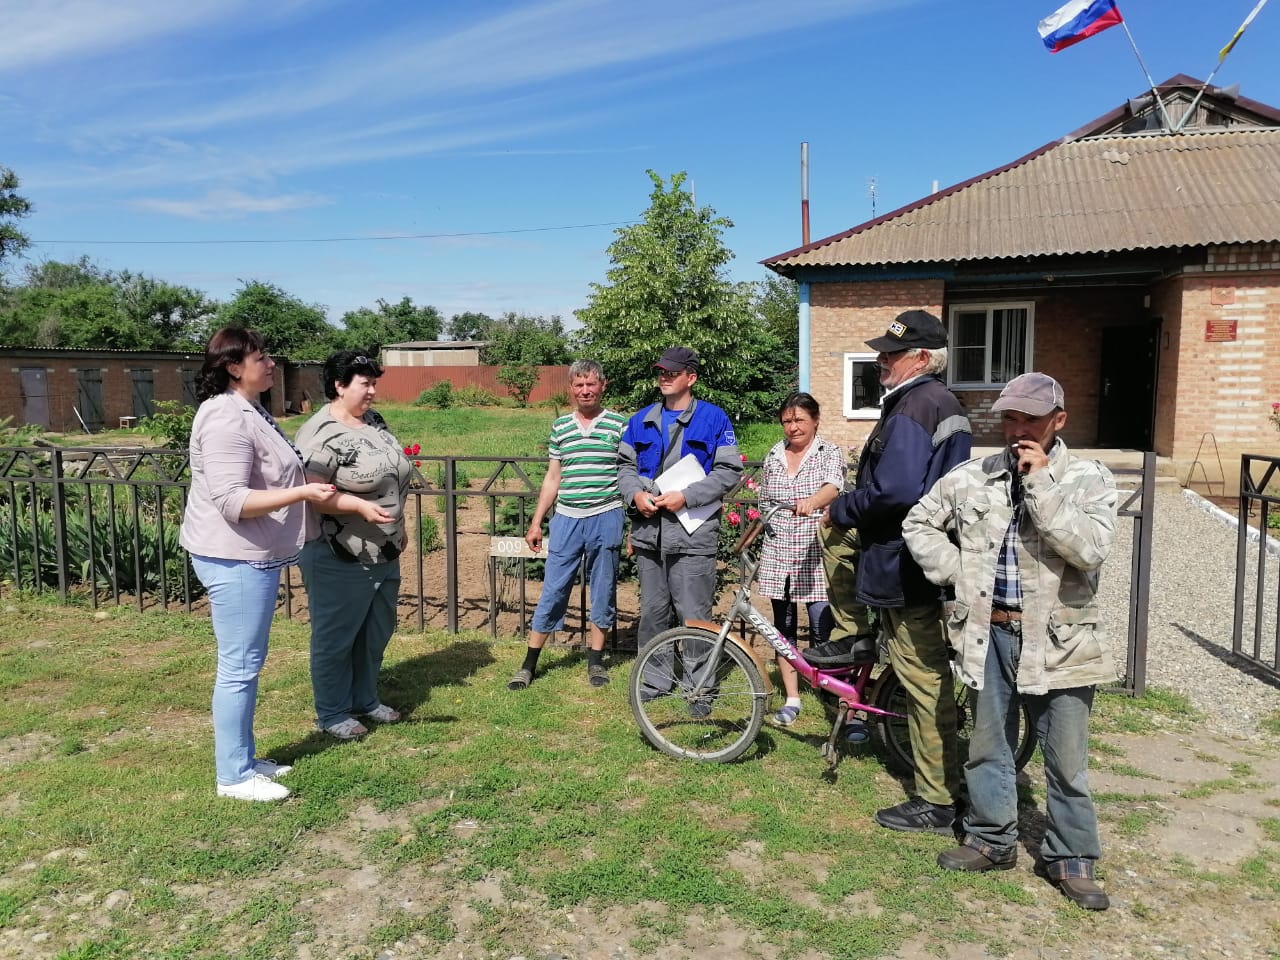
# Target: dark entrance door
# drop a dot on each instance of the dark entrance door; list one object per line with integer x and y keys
{"x": 35, "y": 396}
{"x": 1127, "y": 398}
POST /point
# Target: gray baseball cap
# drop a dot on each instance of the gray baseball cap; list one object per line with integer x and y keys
{"x": 1032, "y": 393}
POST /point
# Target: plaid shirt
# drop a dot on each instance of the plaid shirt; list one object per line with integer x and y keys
{"x": 1008, "y": 588}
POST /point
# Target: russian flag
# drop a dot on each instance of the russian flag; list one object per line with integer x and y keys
{"x": 1078, "y": 20}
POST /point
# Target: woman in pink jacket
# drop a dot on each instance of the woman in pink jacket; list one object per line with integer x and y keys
{"x": 244, "y": 520}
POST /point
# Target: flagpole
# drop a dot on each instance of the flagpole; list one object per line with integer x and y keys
{"x": 1221, "y": 57}
{"x": 1159, "y": 103}
{"x": 1196, "y": 102}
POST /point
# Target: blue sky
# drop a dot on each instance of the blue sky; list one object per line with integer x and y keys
{"x": 487, "y": 124}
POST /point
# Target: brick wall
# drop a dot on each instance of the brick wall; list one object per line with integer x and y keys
{"x": 1224, "y": 388}
{"x": 116, "y": 371}
{"x": 1067, "y": 345}
{"x": 842, "y": 316}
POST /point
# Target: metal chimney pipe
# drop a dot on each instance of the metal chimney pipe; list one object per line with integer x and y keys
{"x": 804, "y": 193}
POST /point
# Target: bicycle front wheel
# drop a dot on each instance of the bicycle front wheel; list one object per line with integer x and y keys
{"x": 714, "y": 723}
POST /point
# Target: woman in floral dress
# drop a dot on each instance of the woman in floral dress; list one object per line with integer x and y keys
{"x": 807, "y": 472}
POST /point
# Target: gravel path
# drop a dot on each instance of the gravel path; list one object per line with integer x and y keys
{"x": 1191, "y": 614}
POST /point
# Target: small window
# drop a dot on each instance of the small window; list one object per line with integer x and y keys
{"x": 990, "y": 343}
{"x": 861, "y": 386}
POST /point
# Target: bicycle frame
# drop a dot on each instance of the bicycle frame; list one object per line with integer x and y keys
{"x": 848, "y": 691}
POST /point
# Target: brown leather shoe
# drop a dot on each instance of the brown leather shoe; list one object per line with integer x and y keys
{"x": 969, "y": 860}
{"x": 1084, "y": 892}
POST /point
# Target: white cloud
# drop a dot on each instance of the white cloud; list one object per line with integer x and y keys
{"x": 516, "y": 50}
{"x": 52, "y": 30}
{"x": 230, "y": 205}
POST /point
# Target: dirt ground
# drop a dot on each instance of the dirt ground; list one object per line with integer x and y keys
{"x": 1163, "y": 904}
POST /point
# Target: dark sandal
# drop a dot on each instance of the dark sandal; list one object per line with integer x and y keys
{"x": 521, "y": 679}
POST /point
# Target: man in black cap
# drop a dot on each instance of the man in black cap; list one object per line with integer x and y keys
{"x": 676, "y": 566}
{"x": 922, "y": 434}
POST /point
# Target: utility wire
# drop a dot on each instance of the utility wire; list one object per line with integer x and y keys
{"x": 399, "y": 236}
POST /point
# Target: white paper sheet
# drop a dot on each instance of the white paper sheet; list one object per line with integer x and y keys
{"x": 686, "y": 471}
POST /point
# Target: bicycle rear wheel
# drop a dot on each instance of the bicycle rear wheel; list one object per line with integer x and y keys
{"x": 892, "y": 732}
{"x": 715, "y": 723}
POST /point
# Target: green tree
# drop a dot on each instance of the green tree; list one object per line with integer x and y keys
{"x": 519, "y": 379}
{"x": 367, "y": 329}
{"x": 469, "y": 326}
{"x": 176, "y": 317}
{"x": 517, "y": 338}
{"x": 79, "y": 304}
{"x": 668, "y": 285}
{"x": 775, "y": 305}
{"x": 13, "y": 207}
{"x": 295, "y": 329}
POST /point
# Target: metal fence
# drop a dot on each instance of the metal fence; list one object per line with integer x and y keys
{"x": 1137, "y": 488}
{"x": 1259, "y": 491}
{"x": 102, "y": 526}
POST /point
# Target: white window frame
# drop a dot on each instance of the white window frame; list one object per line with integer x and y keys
{"x": 850, "y": 411}
{"x": 986, "y": 383}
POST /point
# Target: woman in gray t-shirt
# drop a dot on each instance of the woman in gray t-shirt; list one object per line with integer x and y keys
{"x": 352, "y": 570}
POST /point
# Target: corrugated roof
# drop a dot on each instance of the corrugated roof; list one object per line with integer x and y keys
{"x": 1094, "y": 195}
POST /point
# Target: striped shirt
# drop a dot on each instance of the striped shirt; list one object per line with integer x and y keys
{"x": 588, "y": 455}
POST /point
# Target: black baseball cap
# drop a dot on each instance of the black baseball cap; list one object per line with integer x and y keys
{"x": 915, "y": 329}
{"x": 676, "y": 359}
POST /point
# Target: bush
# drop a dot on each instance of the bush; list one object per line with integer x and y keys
{"x": 92, "y": 515}
{"x": 170, "y": 425}
{"x": 441, "y": 396}
{"x": 519, "y": 379}
{"x": 17, "y": 436}
{"x": 461, "y": 480}
{"x": 429, "y": 540}
{"x": 473, "y": 396}
{"x": 557, "y": 401}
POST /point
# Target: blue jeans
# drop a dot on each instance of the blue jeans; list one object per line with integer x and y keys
{"x": 599, "y": 540}
{"x": 242, "y": 601}
{"x": 353, "y": 615}
{"x": 1061, "y": 720}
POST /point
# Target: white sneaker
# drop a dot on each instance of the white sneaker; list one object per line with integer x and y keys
{"x": 256, "y": 787}
{"x": 270, "y": 769}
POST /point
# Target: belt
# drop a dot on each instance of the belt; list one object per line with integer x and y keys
{"x": 1000, "y": 616}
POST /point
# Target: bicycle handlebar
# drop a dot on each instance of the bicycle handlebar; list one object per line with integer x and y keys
{"x": 755, "y": 527}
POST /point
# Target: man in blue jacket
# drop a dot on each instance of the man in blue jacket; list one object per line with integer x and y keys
{"x": 921, "y": 435}
{"x": 677, "y": 567}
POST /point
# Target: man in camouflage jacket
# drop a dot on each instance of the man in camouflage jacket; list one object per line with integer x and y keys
{"x": 1021, "y": 535}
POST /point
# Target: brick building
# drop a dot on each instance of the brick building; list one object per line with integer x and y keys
{"x": 1137, "y": 260}
{"x": 73, "y": 390}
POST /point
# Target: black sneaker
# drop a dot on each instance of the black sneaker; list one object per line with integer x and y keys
{"x": 919, "y": 816}
{"x": 843, "y": 653}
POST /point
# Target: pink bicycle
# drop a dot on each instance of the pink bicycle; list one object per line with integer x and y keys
{"x": 701, "y": 691}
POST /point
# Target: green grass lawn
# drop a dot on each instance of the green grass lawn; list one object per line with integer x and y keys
{"x": 456, "y": 432}
{"x": 516, "y": 807}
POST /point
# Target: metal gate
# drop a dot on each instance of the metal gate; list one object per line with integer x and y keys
{"x": 1260, "y": 491}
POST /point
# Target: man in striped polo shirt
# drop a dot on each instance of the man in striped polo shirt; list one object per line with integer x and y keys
{"x": 582, "y": 482}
